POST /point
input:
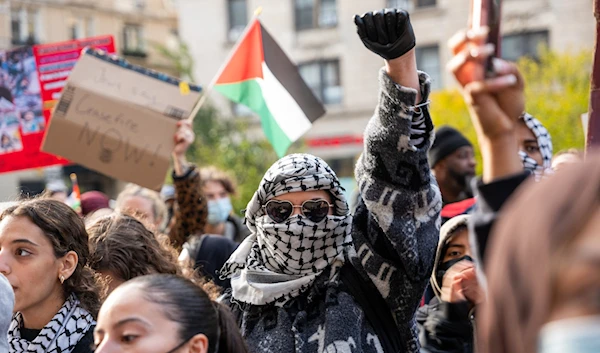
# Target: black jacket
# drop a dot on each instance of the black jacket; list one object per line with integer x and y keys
{"x": 490, "y": 199}
{"x": 445, "y": 327}
{"x": 209, "y": 253}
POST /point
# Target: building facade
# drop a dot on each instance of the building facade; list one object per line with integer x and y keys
{"x": 137, "y": 25}
{"x": 320, "y": 36}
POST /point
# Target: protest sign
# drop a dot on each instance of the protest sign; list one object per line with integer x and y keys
{"x": 119, "y": 119}
{"x": 31, "y": 79}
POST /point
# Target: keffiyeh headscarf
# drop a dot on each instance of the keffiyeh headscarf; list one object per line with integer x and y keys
{"x": 61, "y": 334}
{"x": 545, "y": 144}
{"x": 278, "y": 261}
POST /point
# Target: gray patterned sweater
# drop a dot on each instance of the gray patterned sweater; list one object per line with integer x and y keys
{"x": 395, "y": 236}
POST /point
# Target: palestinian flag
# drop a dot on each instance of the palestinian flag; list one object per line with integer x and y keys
{"x": 260, "y": 76}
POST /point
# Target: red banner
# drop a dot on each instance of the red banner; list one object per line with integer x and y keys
{"x": 31, "y": 80}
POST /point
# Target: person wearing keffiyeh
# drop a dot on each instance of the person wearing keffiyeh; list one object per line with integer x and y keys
{"x": 45, "y": 259}
{"x": 535, "y": 146}
{"x": 313, "y": 278}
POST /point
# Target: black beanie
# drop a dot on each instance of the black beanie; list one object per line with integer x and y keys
{"x": 447, "y": 140}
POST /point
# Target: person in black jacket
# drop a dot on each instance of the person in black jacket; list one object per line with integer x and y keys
{"x": 446, "y": 323}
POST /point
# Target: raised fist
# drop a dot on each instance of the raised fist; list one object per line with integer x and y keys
{"x": 387, "y": 33}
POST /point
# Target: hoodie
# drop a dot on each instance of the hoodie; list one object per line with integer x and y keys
{"x": 445, "y": 327}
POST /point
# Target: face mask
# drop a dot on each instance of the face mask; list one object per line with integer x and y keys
{"x": 445, "y": 266}
{"x": 219, "y": 210}
{"x": 299, "y": 246}
{"x": 577, "y": 335}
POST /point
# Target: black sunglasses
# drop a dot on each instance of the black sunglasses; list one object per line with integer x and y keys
{"x": 281, "y": 210}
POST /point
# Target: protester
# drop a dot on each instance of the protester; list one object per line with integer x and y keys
{"x": 566, "y": 157}
{"x": 93, "y": 201}
{"x": 165, "y": 313}
{"x": 535, "y": 144}
{"x": 121, "y": 248}
{"x": 144, "y": 204}
{"x": 541, "y": 260}
{"x": 189, "y": 210}
{"x": 7, "y": 304}
{"x": 452, "y": 161}
{"x": 310, "y": 277}
{"x": 44, "y": 255}
{"x": 445, "y": 324}
{"x": 218, "y": 187}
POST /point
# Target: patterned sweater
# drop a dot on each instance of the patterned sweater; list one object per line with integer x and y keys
{"x": 395, "y": 235}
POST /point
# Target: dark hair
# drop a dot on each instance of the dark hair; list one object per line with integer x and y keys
{"x": 191, "y": 307}
{"x": 66, "y": 231}
{"x": 537, "y": 229}
{"x": 121, "y": 244}
{"x": 213, "y": 174}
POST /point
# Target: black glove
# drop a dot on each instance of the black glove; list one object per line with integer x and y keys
{"x": 387, "y": 33}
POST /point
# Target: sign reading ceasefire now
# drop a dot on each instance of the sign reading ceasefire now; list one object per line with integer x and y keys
{"x": 119, "y": 119}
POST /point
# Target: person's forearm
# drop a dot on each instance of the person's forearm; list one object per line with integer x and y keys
{"x": 180, "y": 164}
{"x": 403, "y": 71}
{"x": 500, "y": 157}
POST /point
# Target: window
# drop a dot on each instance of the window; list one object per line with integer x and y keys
{"x": 133, "y": 40}
{"x": 25, "y": 26}
{"x": 410, "y": 4}
{"x": 323, "y": 78}
{"x": 238, "y": 18}
{"x": 428, "y": 60}
{"x": 425, "y": 3}
{"x": 76, "y": 29}
{"x": 315, "y": 14}
{"x": 517, "y": 45}
{"x": 399, "y": 4}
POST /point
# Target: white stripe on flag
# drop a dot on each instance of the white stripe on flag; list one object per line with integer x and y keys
{"x": 284, "y": 109}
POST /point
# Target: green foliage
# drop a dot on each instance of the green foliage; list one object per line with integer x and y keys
{"x": 557, "y": 90}
{"x": 224, "y": 143}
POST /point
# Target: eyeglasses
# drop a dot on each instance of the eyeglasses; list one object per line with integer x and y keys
{"x": 281, "y": 210}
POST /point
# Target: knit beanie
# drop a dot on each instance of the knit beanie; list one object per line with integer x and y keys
{"x": 92, "y": 201}
{"x": 447, "y": 140}
{"x": 7, "y": 303}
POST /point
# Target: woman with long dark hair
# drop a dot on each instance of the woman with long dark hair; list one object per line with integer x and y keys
{"x": 165, "y": 313}
{"x": 44, "y": 255}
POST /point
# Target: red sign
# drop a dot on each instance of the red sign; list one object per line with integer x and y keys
{"x": 31, "y": 81}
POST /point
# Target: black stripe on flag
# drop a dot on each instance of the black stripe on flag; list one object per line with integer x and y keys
{"x": 288, "y": 75}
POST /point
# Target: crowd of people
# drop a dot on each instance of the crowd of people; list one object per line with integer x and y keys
{"x": 432, "y": 258}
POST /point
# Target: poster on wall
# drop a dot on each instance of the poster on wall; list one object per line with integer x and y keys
{"x": 31, "y": 81}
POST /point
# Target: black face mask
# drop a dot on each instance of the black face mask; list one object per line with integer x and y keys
{"x": 445, "y": 266}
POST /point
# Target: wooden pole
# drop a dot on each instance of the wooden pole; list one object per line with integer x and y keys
{"x": 593, "y": 135}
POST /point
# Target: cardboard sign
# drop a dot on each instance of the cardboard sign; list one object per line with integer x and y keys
{"x": 119, "y": 119}
{"x": 31, "y": 80}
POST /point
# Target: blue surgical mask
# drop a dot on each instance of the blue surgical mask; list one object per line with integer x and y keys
{"x": 219, "y": 210}
{"x": 577, "y": 335}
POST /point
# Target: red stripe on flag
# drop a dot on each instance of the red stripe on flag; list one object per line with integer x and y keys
{"x": 246, "y": 62}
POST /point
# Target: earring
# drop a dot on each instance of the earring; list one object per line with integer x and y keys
{"x": 62, "y": 279}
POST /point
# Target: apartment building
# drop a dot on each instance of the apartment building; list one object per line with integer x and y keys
{"x": 135, "y": 24}
{"x": 320, "y": 36}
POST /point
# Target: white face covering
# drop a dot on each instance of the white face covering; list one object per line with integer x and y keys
{"x": 577, "y": 335}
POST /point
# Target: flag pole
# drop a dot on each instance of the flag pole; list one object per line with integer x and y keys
{"x": 593, "y": 133}
{"x": 209, "y": 88}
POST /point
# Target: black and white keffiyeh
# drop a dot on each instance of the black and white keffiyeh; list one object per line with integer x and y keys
{"x": 60, "y": 335}
{"x": 278, "y": 261}
{"x": 545, "y": 144}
